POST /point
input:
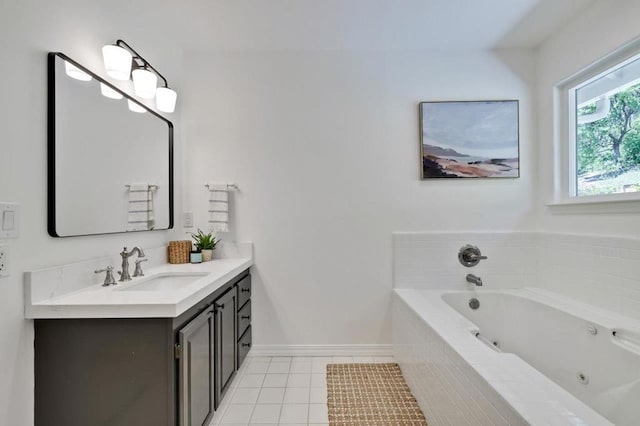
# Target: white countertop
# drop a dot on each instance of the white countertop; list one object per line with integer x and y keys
{"x": 95, "y": 301}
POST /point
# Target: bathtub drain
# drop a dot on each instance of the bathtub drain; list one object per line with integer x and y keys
{"x": 582, "y": 378}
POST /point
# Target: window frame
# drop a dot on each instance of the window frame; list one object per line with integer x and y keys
{"x": 564, "y": 128}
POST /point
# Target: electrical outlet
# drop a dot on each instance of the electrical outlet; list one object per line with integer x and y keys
{"x": 4, "y": 261}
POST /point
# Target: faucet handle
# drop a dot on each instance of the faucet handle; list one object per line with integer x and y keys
{"x": 138, "y": 271}
{"x": 470, "y": 255}
{"x": 108, "y": 279}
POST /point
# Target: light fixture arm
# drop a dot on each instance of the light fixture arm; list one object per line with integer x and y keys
{"x": 145, "y": 63}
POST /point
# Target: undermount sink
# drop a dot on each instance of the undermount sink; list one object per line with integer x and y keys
{"x": 164, "y": 282}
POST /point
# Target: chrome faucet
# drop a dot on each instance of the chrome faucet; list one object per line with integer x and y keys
{"x": 474, "y": 279}
{"x": 124, "y": 274}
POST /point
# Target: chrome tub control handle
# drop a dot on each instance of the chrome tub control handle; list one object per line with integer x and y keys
{"x": 469, "y": 255}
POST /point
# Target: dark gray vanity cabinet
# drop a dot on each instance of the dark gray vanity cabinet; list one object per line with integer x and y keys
{"x": 225, "y": 347}
{"x": 141, "y": 371}
{"x": 244, "y": 318}
{"x": 196, "y": 370}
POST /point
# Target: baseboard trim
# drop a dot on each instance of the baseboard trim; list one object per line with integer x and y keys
{"x": 321, "y": 350}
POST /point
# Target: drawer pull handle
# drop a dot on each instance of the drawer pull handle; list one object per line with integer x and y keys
{"x": 220, "y": 305}
{"x": 246, "y": 345}
{"x": 245, "y": 290}
{"x": 247, "y": 317}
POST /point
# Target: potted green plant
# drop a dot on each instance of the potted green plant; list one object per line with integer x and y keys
{"x": 205, "y": 243}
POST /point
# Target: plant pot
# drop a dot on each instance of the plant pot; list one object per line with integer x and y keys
{"x": 207, "y": 255}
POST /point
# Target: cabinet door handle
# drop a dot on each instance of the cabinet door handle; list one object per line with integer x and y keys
{"x": 246, "y": 345}
{"x": 220, "y": 305}
{"x": 247, "y": 317}
{"x": 245, "y": 290}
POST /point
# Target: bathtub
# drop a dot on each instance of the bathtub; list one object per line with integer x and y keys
{"x": 525, "y": 356}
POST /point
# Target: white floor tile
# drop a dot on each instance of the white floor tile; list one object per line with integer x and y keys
{"x": 325, "y": 359}
{"x": 342, "y": 359}
{"x": 318, "y": 413}
{"x": 319, "y": 368}
{"x": 251, "y": 381}
{"x": 299, "y": 381}
{"x": 301, "y": 367}
{"x": 217, "y": 416}
{"x": 275, "y": 381}
{"x": 245, "y": 396}
{"x": 266, "y": 413}
{"x": 261, "y": 359}
{"x": 294, "y": 413}
{"x": 279, "y": 368}
{"x": 318, "y": 380}
{"x": 281, "y": 359}
{"x": 383, "y": 359}
{"x": 257, "y": 368}
{"x": 318, "y": 396}
{"x": 296, "y": 396}
{"x": 271, "y": 396}
{"x": 237, "y": 413}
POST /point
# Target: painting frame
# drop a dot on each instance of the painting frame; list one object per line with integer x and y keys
{"x": 442, "y": 161}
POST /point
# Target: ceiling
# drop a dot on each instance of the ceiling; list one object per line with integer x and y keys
{"x": 363, "y": 24}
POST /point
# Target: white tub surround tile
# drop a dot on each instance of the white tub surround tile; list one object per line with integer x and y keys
{"x": 459, "y": 380}
{"x": 599, "y": 270}
{"x": 75, "y": 291}
{"x": 602, "y": 271}
{"x": 429, "y": 260}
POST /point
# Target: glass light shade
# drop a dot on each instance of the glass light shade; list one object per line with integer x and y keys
{"x": 109, "y": 92}
{"x": 117, "y": 62}
{"x": 135, "y": 107}
{"x": 166, "y": 99}
{"x": 75, "y": 72}
{"x": 144, "y": 83}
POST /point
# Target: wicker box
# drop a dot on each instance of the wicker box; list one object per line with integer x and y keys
{"x": 179, "y": 251}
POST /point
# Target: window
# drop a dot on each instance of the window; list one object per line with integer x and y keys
{"x": 604, "y": 132}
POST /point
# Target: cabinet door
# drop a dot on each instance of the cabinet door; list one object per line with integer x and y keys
{"x": 225, "y": 347}
{"x": 196, "y": 373}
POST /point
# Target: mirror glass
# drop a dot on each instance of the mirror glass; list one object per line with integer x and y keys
{"x": 110, "y": 168}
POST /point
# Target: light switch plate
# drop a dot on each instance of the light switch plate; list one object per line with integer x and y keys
{"x": 5, "y": 269}
{"x": 187, "y": 219}
{"x": 9, "y": 220}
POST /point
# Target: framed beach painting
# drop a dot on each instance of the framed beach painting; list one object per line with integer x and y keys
{"x": 470, "y": 139}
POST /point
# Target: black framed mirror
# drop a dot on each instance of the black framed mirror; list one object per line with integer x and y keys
{"x": 110, "y": 158}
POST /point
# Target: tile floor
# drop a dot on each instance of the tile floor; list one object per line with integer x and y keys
{"x": 280, "y": 391}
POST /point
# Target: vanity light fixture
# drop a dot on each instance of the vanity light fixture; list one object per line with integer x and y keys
{"x": 144, "y": 83}
{"x": 119, "y": 61}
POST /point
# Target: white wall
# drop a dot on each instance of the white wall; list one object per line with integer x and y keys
{"x": 325, "y": 148}
{"x": 601, "y": 29}
{"x": 28, "y": 30}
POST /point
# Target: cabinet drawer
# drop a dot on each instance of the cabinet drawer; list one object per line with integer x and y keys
{"x": 244, "y": 318}
{"x": 244, "y": 291}
{"x": 244, "y": 345}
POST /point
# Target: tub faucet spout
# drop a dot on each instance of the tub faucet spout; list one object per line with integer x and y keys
{"x": 474, "y": 279}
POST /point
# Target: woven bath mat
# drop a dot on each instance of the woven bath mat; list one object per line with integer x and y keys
{"x": 370, "y": 395}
